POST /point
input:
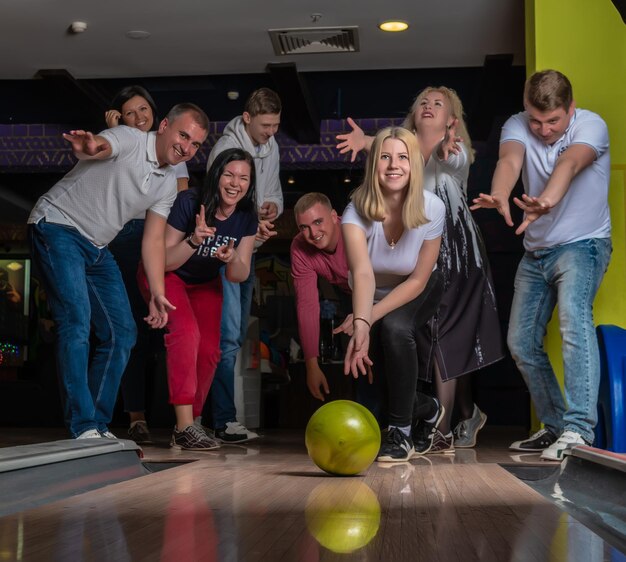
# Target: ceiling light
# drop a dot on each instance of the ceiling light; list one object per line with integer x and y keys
{"x": 78, "y": 26}
{"x": 291, "y": 180}
{"x": 138, "y": 34}
{"x": 346, "y": 179}
{"x": 14, "y": 266}
{"x": 394, "y": 26}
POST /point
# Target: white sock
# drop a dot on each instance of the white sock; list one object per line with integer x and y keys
{"x": 404, "y": 429}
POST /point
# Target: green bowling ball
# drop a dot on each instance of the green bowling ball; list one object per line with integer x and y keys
{"x": 342, "y": 438}
{"x": 342, "y": 516}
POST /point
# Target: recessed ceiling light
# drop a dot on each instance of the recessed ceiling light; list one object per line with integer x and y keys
{"x": 394, "y": 26}
{"x": 138, "y": 34}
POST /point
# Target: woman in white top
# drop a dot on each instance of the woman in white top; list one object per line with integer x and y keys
{"x": 465, "y": 333}
{"x": 392, "y": 233}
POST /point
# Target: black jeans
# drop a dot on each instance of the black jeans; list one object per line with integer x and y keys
{"x": 394, "y": 351}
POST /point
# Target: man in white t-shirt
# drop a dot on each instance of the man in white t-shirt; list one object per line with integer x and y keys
{"x": 121, "y": 172}
{"x": 562, "y": 154}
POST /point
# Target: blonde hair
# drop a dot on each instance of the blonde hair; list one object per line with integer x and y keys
{"x": 368, "y": 197}
{"x": 456, "y": 110}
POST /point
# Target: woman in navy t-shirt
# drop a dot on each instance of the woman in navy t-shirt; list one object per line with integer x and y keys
{"x": 206, "y": 229}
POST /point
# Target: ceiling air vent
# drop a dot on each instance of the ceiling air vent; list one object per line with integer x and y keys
{"x": 313, "y": 40}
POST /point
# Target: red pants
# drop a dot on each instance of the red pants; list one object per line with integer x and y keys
{"x": 192, "y": 341}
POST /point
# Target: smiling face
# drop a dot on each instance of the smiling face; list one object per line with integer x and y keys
{"x": 233, "y": 184}
{"x": 179, "y": 140}
{"x": 137, "y": 113}
{"x": 549, "y": 126}
{"x": 394, "y": 167}
{"x": 320, "y": 227}
{"x": 262, "y": 127}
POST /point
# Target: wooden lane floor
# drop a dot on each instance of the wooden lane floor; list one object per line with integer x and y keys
{"x": 268, "y": 502}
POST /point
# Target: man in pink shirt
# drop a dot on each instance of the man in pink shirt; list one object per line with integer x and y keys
{"x": 317, "y": 250}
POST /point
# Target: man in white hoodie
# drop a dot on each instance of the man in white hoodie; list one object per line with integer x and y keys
{"x": 254, "y": 132}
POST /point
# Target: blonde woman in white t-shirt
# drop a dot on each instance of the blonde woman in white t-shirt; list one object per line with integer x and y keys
{"x": 392, "y": 232}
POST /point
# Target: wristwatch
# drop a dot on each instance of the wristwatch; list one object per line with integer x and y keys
{"x": 191, "y": 243}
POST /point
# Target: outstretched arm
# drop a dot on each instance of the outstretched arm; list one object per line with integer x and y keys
{"x": 153, "y": 255}
{"x": 315, "y": 379}
{"x": 238, "y": 259}
{"x": 573, "y": 161}
{"x": 87, "y": 146}
{"x": 354, "y": 141}
{"x": 508, "y": 169}
{"x": 177, "y": 250}
{"x": 451, "y": 143}
{"x": 357, "y": 358}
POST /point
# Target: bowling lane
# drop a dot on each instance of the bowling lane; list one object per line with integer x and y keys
{"x": 269, "y": 502}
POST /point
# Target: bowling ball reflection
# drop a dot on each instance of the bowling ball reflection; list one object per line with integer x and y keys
{"x": 342, "y": 437}
{"x": 342, "y": 516}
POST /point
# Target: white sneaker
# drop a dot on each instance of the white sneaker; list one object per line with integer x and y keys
{"x": 90, "y": 434}
{"x": 567, "y": 440}
{"x": 107, "y": 435}
{"x": 234, "y": 432}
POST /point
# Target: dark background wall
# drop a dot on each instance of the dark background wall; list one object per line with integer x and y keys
{"x": 490, "y": 93}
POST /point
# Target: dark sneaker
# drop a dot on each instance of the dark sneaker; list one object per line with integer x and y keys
{"x": 234, "y": 432}
{"x": 441, "y": 443}
{"x": 192, "y": 439}
{"x": 465, "y": 432}
{"x": 397, "y": 447}
{"x": 536, "y": 442}
{"x": 423, "y": 432}
{"x": 139, "y": 433}
{"x": 566, "y": 441}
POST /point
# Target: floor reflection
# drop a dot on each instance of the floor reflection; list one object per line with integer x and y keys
{"x": 342, "y": 516}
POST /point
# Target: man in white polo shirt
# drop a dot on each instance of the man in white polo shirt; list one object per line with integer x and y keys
{"x": 563, "y": 156}
{"x": 121, "y": 173}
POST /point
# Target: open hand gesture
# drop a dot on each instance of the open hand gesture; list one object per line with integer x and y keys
{"x": 85, "y": 143}
{"x": 357, "y": 359}
{"x": 533, "y": 209}
{"x": 450, "y": 143}
{"x": 485, "y": 201}
{"x": 353, "y": 141}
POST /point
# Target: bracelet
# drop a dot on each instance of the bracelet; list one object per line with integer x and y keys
{"x": 362, "y": 320}
{"x": 191, "y": 243}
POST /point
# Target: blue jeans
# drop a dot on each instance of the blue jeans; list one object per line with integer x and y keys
{"x": 84, "y": 288}
{"x": 235, "y": 314}
{"x": 568, "y": 275}
{"x": 126, "y": 249}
